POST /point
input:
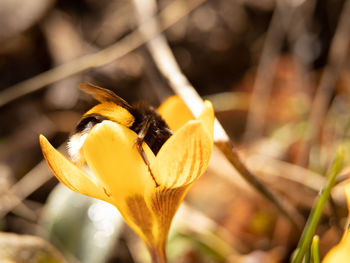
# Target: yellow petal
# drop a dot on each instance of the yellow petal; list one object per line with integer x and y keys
{"x": 111, "y": 154}
{"x": 347, "y": 194}
{"x": 184, "y": 156}
{"x": 175, "y": 112}
{"x": 340, "y": 253}
{"x": 113, "y": 112}
{"x": 207, "y": 116}
{"x": 69, "y": 174}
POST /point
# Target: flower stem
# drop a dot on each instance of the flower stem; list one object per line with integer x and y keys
{"x": 158, "y": 254}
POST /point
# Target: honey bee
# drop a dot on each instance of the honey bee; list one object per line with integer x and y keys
{"x": 140, "y": 118}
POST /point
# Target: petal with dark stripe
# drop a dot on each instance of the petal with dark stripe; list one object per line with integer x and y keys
{"x": 164, "y": 203}
{"x": 184, "y": 157}
{"x": 139, "y": 217}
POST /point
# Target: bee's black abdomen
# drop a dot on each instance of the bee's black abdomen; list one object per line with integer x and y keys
{"x": 158, "y": 131}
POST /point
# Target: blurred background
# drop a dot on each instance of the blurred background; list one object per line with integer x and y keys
{"x": 277, "y": 73}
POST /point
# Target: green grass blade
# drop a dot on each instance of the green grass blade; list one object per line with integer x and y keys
{"x": 315, "y": 250}
{"x": 316, "y": 212}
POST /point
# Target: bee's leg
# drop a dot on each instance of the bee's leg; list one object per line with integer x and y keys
{"x": 139, "y": 140}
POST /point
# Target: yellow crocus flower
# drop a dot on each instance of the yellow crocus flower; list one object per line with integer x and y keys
{"x": 341, "y": 252}
{"x": 121, "y": 177}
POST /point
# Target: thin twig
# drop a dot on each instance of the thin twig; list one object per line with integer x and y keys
{"x": 337, "y": 57}
{"x": 302, "y": 22}
{"x": 304, "y": 63}
{"x": 169, "y": 16}
{"x": 280, "y": 21}
{"x": 167, "y": 65}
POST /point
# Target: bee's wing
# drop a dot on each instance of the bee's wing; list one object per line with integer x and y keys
{"x": 103, "y": 95}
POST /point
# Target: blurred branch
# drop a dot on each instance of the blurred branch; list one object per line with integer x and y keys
{"x": 283, "y": 205}
{"x": 263, "y": 83}
{"x": 168, "y": 67}
{"x": 291, "y": 172}
{"x": 297, "y": 34}
{"x": 337, "y": 57}
{"x": 169, "y": 16}
{"x": 33, "y": 180}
